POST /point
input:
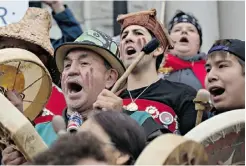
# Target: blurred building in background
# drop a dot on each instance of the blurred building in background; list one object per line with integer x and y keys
{"x": 219, "y": 19}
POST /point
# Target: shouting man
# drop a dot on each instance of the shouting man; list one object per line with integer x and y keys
{"x": 225, "y": 78}
{"x": 90, "y": 68}
{"x": 170, "y": 104}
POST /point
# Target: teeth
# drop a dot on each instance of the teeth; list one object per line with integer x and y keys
{"x": 73, "y": 91}
{"x": 217, "y": 91}
{"x": 129, "y": 49}
{"x": 214, "y": 89}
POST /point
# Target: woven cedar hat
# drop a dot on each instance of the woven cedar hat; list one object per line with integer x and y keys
{"x": 33, "y": 29}
{"x": 148, "y": 20}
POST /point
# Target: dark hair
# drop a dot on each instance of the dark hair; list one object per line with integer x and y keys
{"x": 70, "y": 148}
{"x": 158, "y": 61}
{"x": 124, "y": 132}
{"x": 107, "y": 65}
{"x": 54, "y": 72}
{"x": 159, "y": 57}
{"x": 226, "y": 42}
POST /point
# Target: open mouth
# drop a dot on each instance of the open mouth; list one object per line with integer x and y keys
{"x": 130, "y": 51}
{"x": 74, "y": 87}
{"x": 217, "y": 91}
{"x": 184, "y": 40}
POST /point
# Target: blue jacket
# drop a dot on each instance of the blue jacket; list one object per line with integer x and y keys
{"x": 69, "y": 26}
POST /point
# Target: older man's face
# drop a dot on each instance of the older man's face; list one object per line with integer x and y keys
{"x": 83, "y": 78}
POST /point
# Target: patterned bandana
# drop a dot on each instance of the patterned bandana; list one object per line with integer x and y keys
{"x": 148, "y": 20}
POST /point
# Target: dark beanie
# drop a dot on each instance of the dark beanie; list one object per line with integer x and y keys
{"x": 181, "y": 17}
{"x": 236, "y": 47}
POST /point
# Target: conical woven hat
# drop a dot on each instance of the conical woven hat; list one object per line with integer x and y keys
{"x": 22, "y": 71}
{"x": 33, "y": 28}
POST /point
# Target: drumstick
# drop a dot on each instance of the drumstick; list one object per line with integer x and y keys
{"x": 201, "y": 100}
{"x": 147, "y": 49}
{"x": 150, "y": 47}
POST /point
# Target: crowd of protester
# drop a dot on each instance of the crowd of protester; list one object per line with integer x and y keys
{"x": 156, "y": 98}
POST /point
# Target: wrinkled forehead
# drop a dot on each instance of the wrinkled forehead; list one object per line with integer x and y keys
{"x": 79, "y": 53}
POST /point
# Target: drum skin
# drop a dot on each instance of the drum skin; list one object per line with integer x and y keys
{"x": 223, "y": 137}
{"x": 22, "y": 71}
{"x": 172, "y": 149}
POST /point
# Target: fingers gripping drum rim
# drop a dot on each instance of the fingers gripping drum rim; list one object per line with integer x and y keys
{"x": 17, "y": 131}
{"x": 22, "y": 71}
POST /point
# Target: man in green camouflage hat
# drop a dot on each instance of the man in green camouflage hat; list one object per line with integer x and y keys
{"x": 90, "y": 67}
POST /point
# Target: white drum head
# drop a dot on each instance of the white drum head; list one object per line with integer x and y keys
{"x": 223, "y": 137}
{"x": 22, "y": 71}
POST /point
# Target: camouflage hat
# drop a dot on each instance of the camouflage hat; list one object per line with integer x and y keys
{"x": 96, "y": 41}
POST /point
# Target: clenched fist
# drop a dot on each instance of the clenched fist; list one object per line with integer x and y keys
{"x": 108, "y": 101}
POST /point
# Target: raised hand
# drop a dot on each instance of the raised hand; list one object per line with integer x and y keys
{"x": 57, "y": 6}
{"x": 10, "y": 156}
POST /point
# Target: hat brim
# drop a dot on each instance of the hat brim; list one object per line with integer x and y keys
{"x": 63, "y": 50}
{"x": 43, "y": 43}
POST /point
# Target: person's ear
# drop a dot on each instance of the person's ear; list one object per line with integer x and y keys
{"x": 158, "y": 51}
{"x": 111, "y": 78}
{"x": 122, "y": 159}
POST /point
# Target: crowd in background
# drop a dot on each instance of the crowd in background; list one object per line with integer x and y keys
{"x": 156, "y": 99}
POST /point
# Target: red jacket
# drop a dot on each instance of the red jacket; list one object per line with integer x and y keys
{"x": 173, "y": 64}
